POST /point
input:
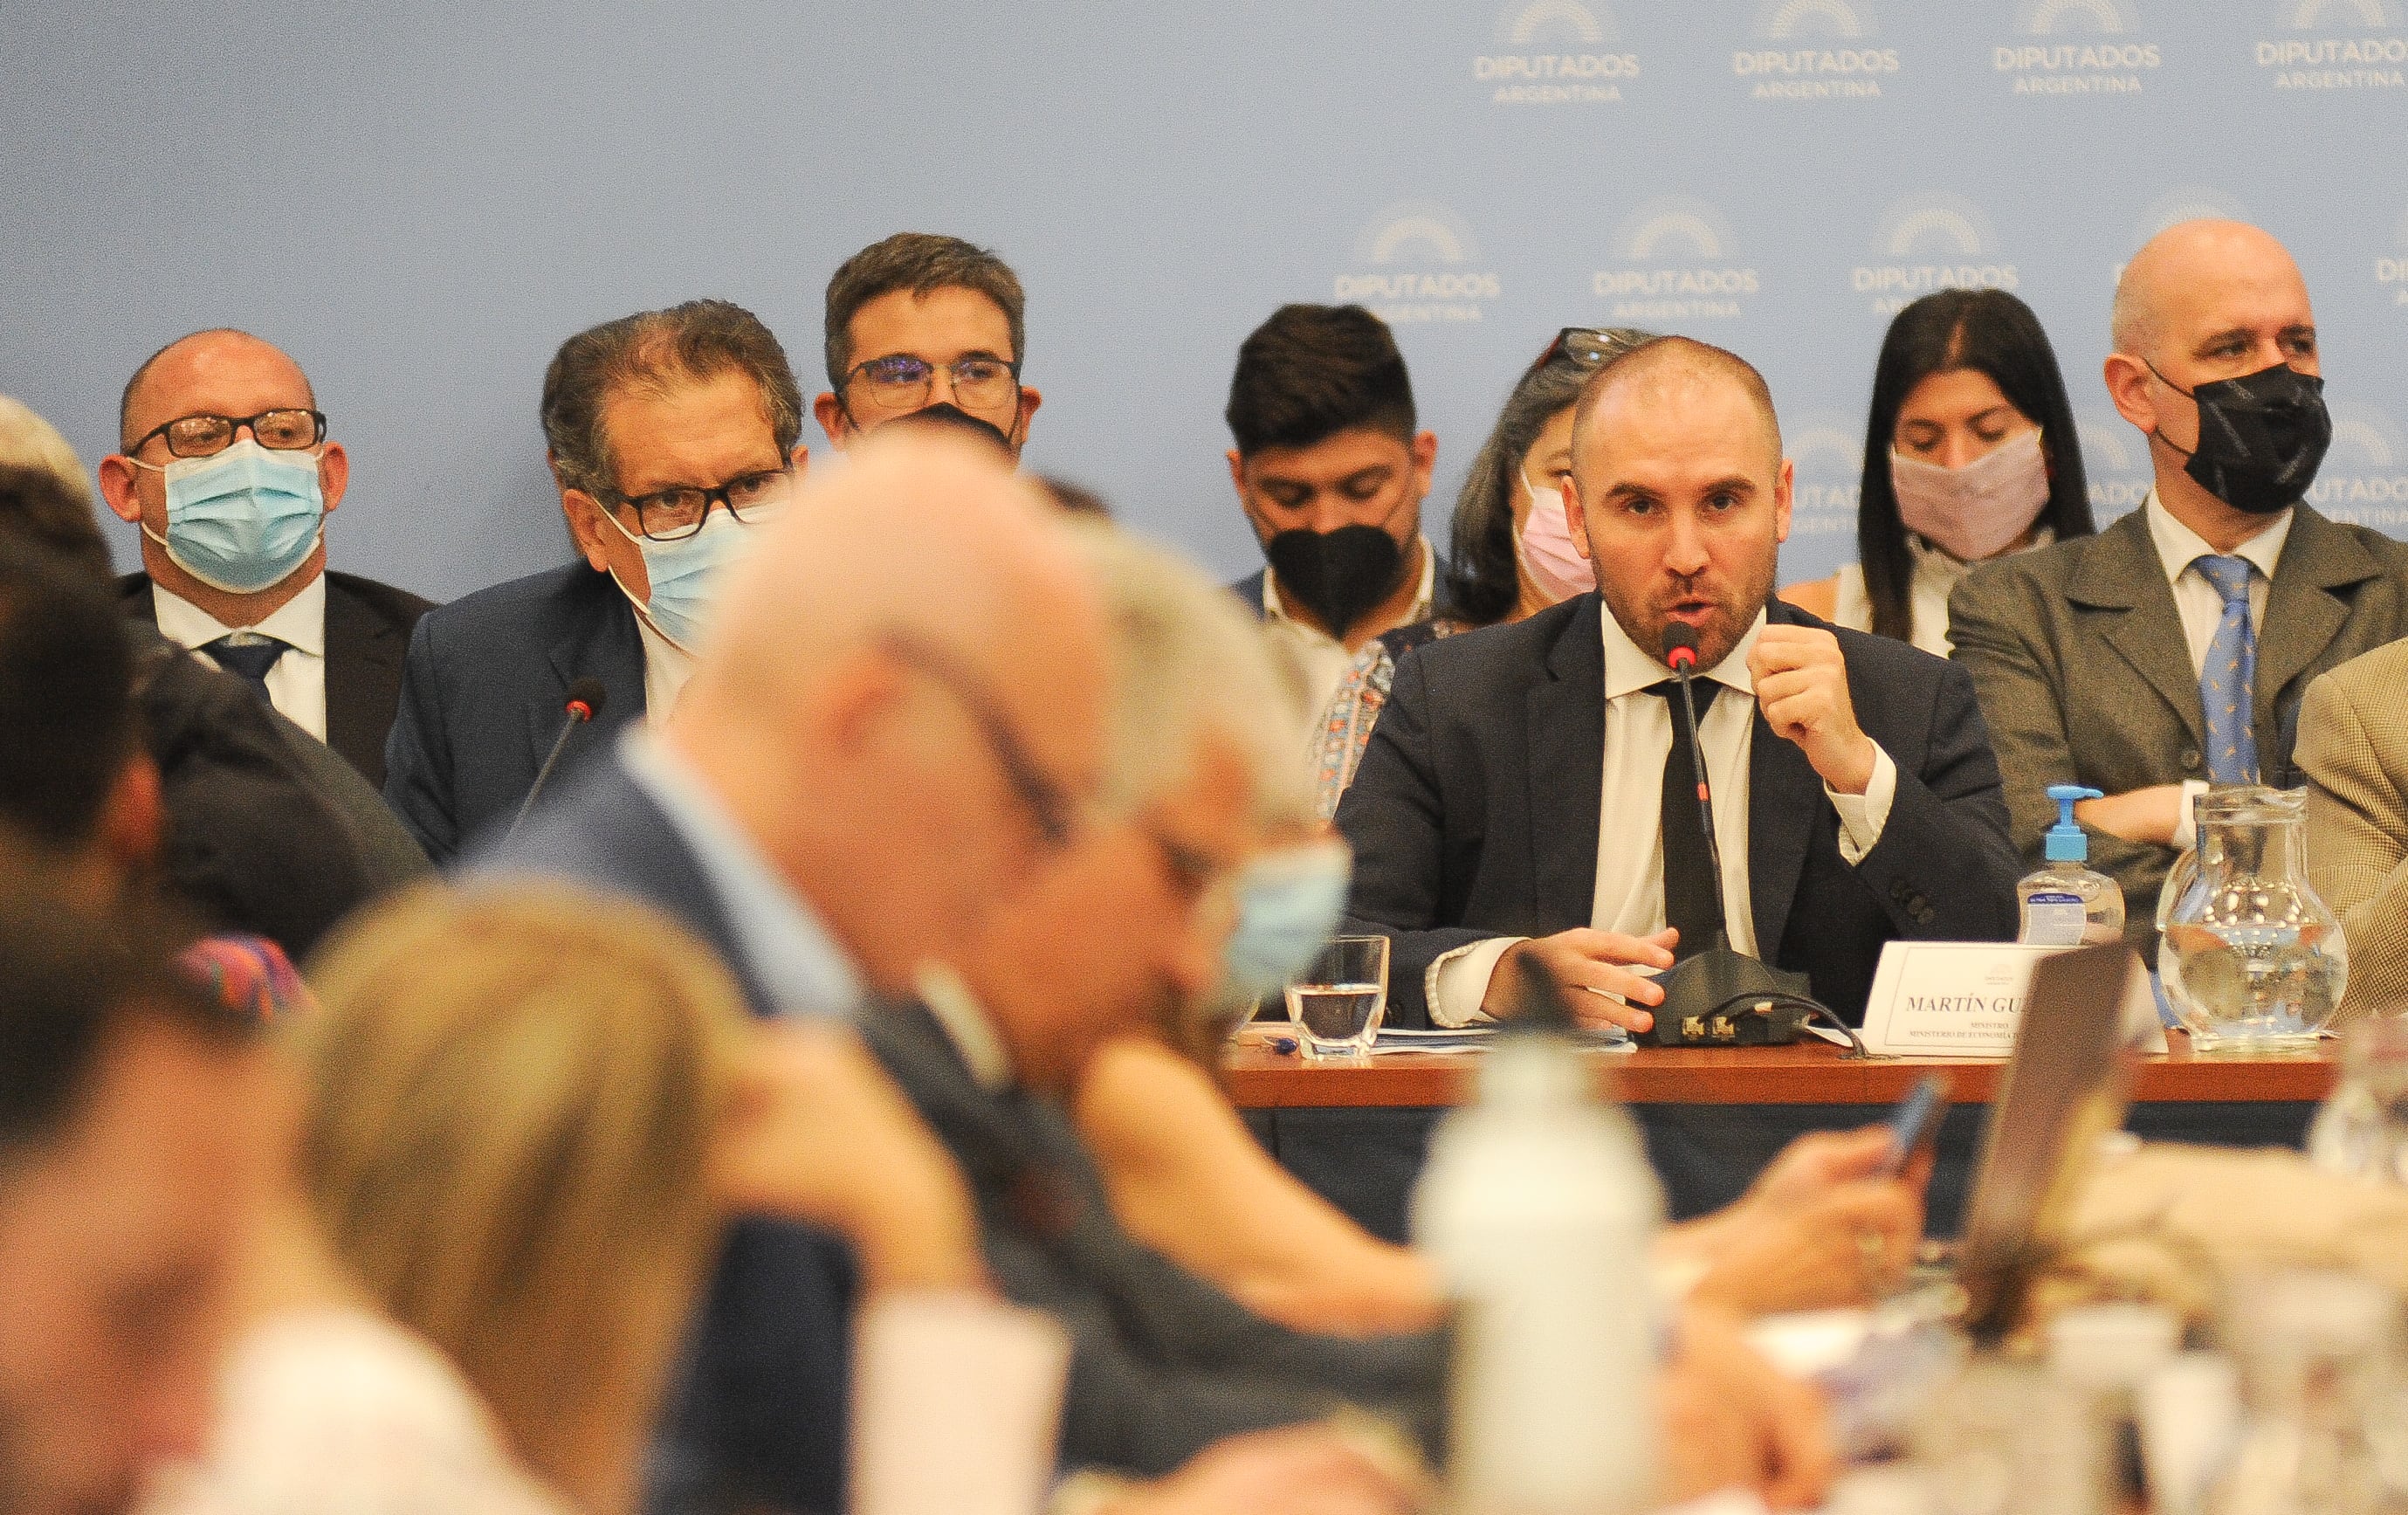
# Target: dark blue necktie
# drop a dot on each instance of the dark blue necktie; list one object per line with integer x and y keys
{"x": 2228, "y": 680}
{"x": 248, "y": 655}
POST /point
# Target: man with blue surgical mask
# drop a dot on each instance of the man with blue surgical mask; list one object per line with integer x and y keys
{"x": 673, "y": 437}
{"x": 225, "y": 467}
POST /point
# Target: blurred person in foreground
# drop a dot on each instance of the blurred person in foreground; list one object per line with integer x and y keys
{"x": 528, "y": 1115}
{"x": 139, "y": 1148}
{"x": 1508, "y": 555}
{"x": 855, "y": 776}
{"x": 1970, "y": 453}
{"x": 2170, "y": 651}
{"x": 1118, "y": 929}
{"x": 152, "y": 776}
{"x": 2353, "y": 753}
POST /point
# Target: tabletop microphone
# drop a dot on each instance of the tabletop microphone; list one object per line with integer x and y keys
{"x": 586, "y": 697}
{"x": 1717, "y": 997}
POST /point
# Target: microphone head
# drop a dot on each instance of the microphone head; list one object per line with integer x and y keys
{"x": 1680, "y": 645}
{"x": 586, "y": 697}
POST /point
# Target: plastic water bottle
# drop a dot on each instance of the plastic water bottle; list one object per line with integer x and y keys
{"x": 1539, "y": 1208}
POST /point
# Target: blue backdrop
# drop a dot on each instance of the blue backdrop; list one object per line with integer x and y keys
{"x": 421, "y": 201}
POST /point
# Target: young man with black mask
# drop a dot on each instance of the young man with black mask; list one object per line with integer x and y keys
{"x": 1331, "y": 474}
{"x": 926, "y": 330}
{"x": 2170, "y": 651}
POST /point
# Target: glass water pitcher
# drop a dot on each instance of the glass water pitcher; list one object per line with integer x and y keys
{"x": 2251, "y": 958}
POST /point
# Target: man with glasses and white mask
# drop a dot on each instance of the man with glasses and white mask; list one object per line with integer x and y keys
{"x": 225, "y": 466}
{"x": 672, "y": 435}
{"x": 928, "y": 330}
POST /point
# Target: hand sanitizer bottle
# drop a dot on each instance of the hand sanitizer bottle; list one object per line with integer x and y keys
{"x": 2066, "y": 904}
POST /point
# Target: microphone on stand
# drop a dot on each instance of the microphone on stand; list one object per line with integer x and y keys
{"x": 1719, "y": 997}
{"x": 586, "y": 697}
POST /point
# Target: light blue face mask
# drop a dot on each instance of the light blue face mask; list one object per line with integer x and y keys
{"x": 1289, "y": 903}
{"x": 687, "y": 575}
{"x": 242, "y": 520}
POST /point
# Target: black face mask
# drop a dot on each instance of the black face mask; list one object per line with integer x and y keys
{"x": 2260, "y": 437}
{"x": 1339, "y": 576}
{"x": 946, "y": 416}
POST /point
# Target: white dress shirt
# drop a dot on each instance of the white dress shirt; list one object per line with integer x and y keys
{"x": 1322, "y": 657}
{"x": 1936, "y": 577}
{"x": 965, "y": 1023}
{"x": 1629, "y": 896}
{"x": 666, "y": 668}
{"x": 296, "y": 685}
{"x": 2201, "y": 605}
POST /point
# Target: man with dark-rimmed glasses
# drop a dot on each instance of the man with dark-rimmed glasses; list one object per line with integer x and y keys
{"x": 925, "y": 329}
{"x": 225, "y": 466}
{"x": 674, "y": 436}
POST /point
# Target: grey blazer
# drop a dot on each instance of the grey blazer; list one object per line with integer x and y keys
{"x": 2354, "y": 754}
{"x": 2077, "y": 654}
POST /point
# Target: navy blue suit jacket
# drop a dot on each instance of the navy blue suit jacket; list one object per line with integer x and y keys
{"x": 482, "y": 689}
{"x": 758, "y": 1415}
{"x": 1474, "y": 813}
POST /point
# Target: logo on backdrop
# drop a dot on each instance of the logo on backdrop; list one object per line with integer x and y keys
{"x": 2391, "y": 273}
{"x": 1814, "y": 50}
{"x": 1416, "y": 262}
{"x": 1555, "y": 53}
{"x": 1828, "y": 450}
{"x": 1929, "y": 242}
{"x": 2336, "y": 45}
{"x": 2075, "y": 47}
{"x": 2364, "y": 480}
{"x": 1678, "y": 263}
{"x": 2115, "y": 461}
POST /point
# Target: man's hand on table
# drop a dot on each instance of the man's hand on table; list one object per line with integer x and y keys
{"x": 1582, "y": 961}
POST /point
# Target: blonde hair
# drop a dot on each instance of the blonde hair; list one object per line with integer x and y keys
{"x": 1187, "y": 659}
{"x": 27, "y": 441}
{"x": 514, "y": 1092}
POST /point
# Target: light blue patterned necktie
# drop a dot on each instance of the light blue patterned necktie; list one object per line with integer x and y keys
{"x": 2228, "y": 682}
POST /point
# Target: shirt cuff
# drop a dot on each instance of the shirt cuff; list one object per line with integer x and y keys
{"x": 1458, "y": 981}
{"x": 2186, "y": 824}
{"x": 1863, "y": 816}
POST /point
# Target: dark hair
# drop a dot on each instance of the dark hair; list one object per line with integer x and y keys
{"x": 1312, "y": 371}
{"x": 1992, "y": 333}
{"x": 924, "y": 264}
{"x": 39, "y": 511}
{"x": 1484, "y": 581}
{"x": 70, "y": 982}
{"x": 697, "y": 340}
{"x": 67, "y": 720}
{"x": 1073, "y": 499}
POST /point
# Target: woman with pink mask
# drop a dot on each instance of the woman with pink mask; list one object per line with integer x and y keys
{"x": 1510, "y": 552}
{"x": 1970, "y": 455}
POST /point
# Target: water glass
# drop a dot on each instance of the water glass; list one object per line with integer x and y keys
{"x": 1336, "y": 1003}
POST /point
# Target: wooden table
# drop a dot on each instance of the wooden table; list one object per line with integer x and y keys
{"x": 1811, "y": 1072}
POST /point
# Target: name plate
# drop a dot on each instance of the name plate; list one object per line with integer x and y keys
{"x": 1966, "y": 999}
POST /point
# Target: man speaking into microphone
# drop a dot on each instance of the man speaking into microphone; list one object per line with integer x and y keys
{"x": 1530, "y": 789}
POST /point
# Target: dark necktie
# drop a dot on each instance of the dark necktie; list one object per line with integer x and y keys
{"x": 1692, "y": 897}
{"x": 247, "y": 655}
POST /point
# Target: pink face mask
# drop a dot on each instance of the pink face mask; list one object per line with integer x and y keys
{"x": 1976, "y": 511}
{"x": 1554, "y": 562}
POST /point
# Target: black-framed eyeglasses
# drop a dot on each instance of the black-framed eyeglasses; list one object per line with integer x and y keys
{"x": 670, "y": 515}
{"x": 1592, "y": 347}
{"x": 285, "y": 430}
{"x": 1049, "y": 807}
{"x": 900, "y": 381}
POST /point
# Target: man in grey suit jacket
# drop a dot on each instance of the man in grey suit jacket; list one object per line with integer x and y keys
{"x": 2170, "y": 651}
